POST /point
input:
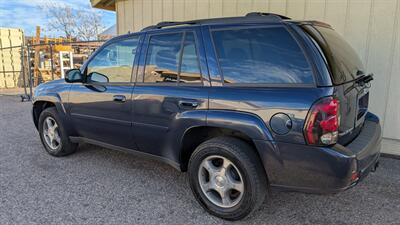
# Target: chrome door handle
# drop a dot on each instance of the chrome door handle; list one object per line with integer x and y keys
{"x": 188, "y": 103}
{"x": 119, "y": 98}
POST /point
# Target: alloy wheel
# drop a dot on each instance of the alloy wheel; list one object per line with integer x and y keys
{"x": 51, "y": 133}
{"x": 221, "y": 181}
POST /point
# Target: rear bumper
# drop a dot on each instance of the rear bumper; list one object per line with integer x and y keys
{"x": 324, "y": 169}
{"x": 366, "y": 147}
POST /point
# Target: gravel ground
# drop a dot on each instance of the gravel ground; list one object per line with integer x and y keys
{"x": 99, "y": 186}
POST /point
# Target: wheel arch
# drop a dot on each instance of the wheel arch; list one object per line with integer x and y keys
{"x": 38, "y": 107}
{"x": 242, "y": 125}
{"x": 42, "y": 102}
{"x": 194, "y": 136}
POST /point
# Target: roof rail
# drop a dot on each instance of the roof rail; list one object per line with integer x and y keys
{"x": 267, "y": 14}
{"x": 249, "y": 16}
{"x": 168, "y": 24}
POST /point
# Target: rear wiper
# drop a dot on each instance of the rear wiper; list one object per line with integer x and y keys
{"x": 360, "y": 81}
{"x": 364, "y": 79}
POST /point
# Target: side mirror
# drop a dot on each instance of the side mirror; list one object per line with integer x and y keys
{"x": 95, "y": 77}
{"x": 73, "y": 76}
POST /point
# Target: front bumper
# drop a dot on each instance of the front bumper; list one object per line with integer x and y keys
{"x": 324, "y": 169}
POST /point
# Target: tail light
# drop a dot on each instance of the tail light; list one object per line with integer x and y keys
{"x": 322, "y": 124}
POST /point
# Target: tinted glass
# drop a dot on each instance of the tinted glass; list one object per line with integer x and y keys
{"x": 190, "y": 69}
{"x": 342, "y": 58}
{"x": 261, "y": 55}
{"x": 162, "y": 58}
{"x": 115, "y": 61}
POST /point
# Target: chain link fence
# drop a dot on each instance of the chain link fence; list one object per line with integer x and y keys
{"x": 27, "y": 66}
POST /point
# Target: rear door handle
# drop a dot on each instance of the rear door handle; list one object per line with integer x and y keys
{"x": 119, "y": 98}
{"x": 187, "y": 103}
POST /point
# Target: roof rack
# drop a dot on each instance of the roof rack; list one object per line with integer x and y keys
{"x": 169, "y": 24}
{"x": 249, "y": 16}
{"x": 267, "y": 14}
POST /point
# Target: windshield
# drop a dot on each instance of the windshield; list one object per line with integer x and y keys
{"x": 342, "y": 59}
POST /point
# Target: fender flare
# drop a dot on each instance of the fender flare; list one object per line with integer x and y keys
{"x": 245, "y": 122}
{"x": 252, "y": 126}
{"x": 51, "y": 98}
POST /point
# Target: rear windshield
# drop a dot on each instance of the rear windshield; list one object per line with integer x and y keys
{"x": 261, "y": 55}
{"x": 342, "y": 59}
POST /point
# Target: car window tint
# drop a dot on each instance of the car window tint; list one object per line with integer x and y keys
{"x": 343, "y": 60}
{"x": 190, "y": 69}
{"x": 162, "y": 58}
{"x": 261, "y": 55}
{"x": 115, "y": 61}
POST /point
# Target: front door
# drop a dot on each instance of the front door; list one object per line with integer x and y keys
{"x": 101, "y": 107}
{"x": 169, "y": 85}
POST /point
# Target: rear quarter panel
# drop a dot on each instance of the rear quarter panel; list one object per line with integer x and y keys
{"x": 266, "y": 102}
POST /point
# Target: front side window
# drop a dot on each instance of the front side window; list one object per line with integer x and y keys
{"x": 172, "y": 57}
{"x": 114, "y": 62}
{"x": 261, "y": 56}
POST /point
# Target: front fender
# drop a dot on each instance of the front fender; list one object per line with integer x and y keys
{"x": 55, "y": 93}
{"x": 43, "y": 101}
{"x": 53, "y": 98}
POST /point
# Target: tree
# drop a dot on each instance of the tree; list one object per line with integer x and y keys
{"x": 89, "y": 25}
{"x": 83, "y": 24}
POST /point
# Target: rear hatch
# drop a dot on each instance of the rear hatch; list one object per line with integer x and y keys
{"x": 348, "y": 77}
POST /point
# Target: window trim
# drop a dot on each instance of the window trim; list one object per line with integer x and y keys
{"x": 141, "y": 74}
{"x": 108, "y": 43}
{"x": 196, "y": 45}
{"x": 294, "y": 85}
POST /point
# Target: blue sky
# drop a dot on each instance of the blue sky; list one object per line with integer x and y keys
{"x": 26, "y": 14}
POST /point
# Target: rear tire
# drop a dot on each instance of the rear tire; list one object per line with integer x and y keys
{"x": 237, "y": 177}
{"x": 53, "y": 135}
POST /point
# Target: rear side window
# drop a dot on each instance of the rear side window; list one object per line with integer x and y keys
{"x": 172, "y": 57}
{"x": 343, "y": 60}
{"x": 261, "y": 56}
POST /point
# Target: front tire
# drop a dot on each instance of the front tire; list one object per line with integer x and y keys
{"x": 227, "y": 177}
{"x": 52, "y": 134}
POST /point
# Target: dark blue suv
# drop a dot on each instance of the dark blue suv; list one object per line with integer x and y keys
{"x": 243, "y": 104}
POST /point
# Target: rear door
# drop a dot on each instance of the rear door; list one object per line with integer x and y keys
{"x": 170, "y": 82}
{"x": 346, "y": 68}
{"x": 101, "y": 107}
